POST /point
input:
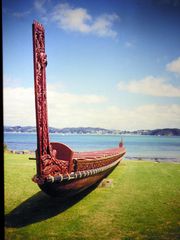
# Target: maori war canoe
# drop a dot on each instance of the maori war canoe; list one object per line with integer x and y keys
{"x": 61, "y": 171}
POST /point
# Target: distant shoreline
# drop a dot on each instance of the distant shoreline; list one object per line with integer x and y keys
{"x": 96, "y": 134}
{"x": 94, "y": 131}
{"x": 83, "y": 134}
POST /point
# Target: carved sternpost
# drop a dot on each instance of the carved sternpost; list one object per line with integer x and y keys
{"x": 40, "y": 63}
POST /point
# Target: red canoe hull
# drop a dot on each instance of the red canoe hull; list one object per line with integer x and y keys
{"x": 61, "y": 171}
{"x": 68, "y": 188}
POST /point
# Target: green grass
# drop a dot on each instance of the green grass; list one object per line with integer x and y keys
{"x": 143, "y": 203}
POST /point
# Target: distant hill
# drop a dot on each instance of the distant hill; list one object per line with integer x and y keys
{"x": 157, "y": 132}
{"x": 165, "y": 132}
{"x": 91, "y": 130}
{"x": 78, "y": 130}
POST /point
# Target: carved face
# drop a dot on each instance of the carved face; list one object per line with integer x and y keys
{"x": 43, "y": 59}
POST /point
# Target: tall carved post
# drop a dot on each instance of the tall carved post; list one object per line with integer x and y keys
{"x": 51, "y": 158}
{"x": 40, "y": 63}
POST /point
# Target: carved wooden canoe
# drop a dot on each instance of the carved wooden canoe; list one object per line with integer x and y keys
{"x": 60, "y": 170}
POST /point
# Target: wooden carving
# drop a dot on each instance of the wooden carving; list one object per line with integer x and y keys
{"x": 61, "y": 171}
{"x": 47, "y": 164}
{"x": 40, "y": 63}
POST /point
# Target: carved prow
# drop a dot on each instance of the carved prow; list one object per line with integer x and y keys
{"x": 51, "y": 158}
{"x": 40, "y": 63}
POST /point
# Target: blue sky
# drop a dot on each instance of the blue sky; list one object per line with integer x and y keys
{"x": 112, "y": 64}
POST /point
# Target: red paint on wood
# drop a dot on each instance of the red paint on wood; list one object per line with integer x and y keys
{"x": 40, "y": 63}
{"x": 47, "y": 164}
{"x": 57, "y": 159}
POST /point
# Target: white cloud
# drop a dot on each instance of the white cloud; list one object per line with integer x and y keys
{"x": 21, "y": 14}
{"x": 174, "y": 66}
{"x": 55, "y": 86}
{"x": 155, "y": 116}
{"x": 69, "y": 98}
{"x": 102, "y": 26}
{"x": 10, "y": 81}
{"x": 150, "y": 85}
{"x": 74, "y": 19}
{"x": 42, "y": 8}
{"x": 71, "y": 110}
{"x": 79, "y": 20}
{"x": 19, "y": 106}
{"x": 149, "y": 116}
{"x": 39, "y": 5}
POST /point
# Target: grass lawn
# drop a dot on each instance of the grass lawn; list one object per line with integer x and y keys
{"x": 143, "y": 203}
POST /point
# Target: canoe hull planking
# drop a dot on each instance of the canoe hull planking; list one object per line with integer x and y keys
{"x": 68, "y": 188}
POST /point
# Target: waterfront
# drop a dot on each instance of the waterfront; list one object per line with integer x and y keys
{"x": 164, "y": 148}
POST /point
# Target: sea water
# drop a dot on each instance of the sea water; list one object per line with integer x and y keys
{"x": 137, "y": 146}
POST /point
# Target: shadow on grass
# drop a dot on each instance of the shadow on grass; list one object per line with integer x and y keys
{"x": 40, "y": 207}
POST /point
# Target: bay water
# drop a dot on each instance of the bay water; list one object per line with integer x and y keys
{"x": 164, "y": 148}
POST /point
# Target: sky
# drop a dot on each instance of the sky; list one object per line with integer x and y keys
{"x": 111, "y": 63}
